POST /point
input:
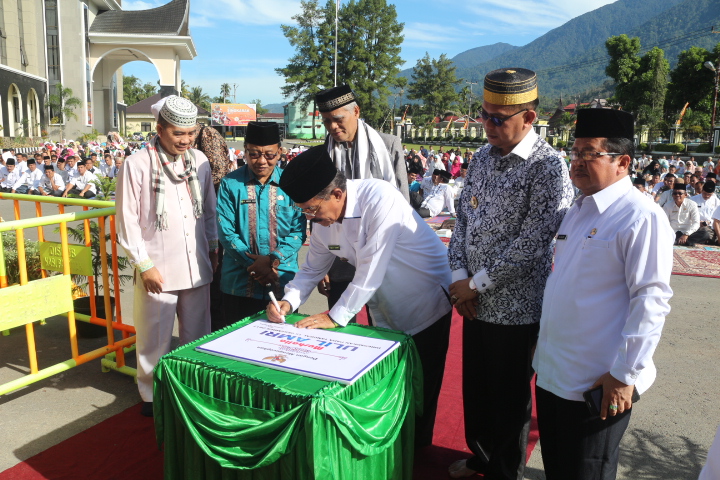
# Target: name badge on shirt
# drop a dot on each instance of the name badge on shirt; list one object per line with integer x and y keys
{"x": 334, "y": 247}
{"x": 244, "y": 202}
{"x": 562, "y": 237}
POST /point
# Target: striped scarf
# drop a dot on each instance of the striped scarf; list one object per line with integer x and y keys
{"x": 160, "y": 163}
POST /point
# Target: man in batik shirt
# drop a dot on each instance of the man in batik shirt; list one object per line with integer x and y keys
{"x": 516, "y": 193}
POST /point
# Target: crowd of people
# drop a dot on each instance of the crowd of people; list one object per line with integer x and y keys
{"x": 212, "y": 232}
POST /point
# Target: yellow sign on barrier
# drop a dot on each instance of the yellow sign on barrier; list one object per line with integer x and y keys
{"x": 80, "y": 258}
{"x": 37, "y": 300}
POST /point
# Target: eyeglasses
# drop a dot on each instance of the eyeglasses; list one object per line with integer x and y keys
{"x": 497, "y": 121}
{"x": 678, "y": 193}
{"x": 268, "y": 156}
{"x": 589, "y": 156}
{"x": 312, "y": 211}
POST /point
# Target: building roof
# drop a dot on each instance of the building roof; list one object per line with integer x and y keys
{"x": 168, "y": 19}
{"x": 144, "y": 107}
{"x": 271, "y": 115}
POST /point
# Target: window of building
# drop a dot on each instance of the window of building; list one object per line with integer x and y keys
{"x": 146, "y": 126}
{"x": 53, "y": 43}
{"x": 23, "y": 58}
{"x": 3, "y": 39}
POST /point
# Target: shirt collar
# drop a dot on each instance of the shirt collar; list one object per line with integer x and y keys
{"x": 352, "y": 207}
{"x": 524, "y": 148}
{"x": 274, "y": 176}
{"x": 608, "y": 195}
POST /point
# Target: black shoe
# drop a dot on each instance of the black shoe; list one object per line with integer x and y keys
{"x": 147, "y": 409}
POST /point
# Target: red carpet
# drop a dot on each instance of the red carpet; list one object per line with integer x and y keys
{"x": 696, "y": 262}
{"x": 131, "y": 451}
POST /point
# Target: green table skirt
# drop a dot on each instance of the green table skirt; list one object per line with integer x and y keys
{"x": 223, "y": 419}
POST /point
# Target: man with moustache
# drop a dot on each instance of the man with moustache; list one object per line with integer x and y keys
{"x": 260, "y": 231}
{"x": 516, "y": 193}
{"x": 166, "y": 224}
{"x": 360, "y": 152}
{"x": 368, "y": 224}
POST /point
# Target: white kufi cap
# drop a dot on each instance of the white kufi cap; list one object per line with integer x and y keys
{"x": 178, "y": 111}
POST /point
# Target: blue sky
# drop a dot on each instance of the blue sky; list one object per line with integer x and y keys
{"x": 240, "y": 41}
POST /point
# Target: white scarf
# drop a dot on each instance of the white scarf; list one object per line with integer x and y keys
{"x": 369, "y": 147}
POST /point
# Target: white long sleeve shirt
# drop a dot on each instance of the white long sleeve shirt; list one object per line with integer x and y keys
{"x": 440, "y": 197}
{"x": 401, "y": 273}
{"x": 46, "y": 184}
{"x": 606, "y": 300}
{"x": 685, "y": 218}
{"x": 706, "y": 208}
{"x": 30, "y": 178}
{"x": 8, "y": 179}
{"x": 87, "y": 178}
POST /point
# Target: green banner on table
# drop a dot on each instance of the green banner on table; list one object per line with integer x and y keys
{"x": 80, "y": 258}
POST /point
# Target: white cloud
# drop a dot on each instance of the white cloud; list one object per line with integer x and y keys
{"x": 141, "y": 4}
{"x": 430, "y": 35}
{"x": 249, "y": 12}
{"x": 200, "y": 22}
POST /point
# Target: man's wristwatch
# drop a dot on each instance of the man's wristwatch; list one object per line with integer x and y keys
{"x": 274, "y": 261}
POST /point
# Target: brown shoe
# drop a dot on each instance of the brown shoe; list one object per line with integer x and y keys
{"x": 459, "y": 469}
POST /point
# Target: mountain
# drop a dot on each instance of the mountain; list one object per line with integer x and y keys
{"x": 571, "y": 59}
{"x": 478, "y": 55}
{"x": 275, "y": 107}
{"x": 474, "y": 56}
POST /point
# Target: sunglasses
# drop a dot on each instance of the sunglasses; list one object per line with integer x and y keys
{"x": 498, "y": 121}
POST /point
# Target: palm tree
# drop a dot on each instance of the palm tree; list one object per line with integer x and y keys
{"x": 225, "y": 91}
{"x": 184, "y": 89}
{"x": 198, "y": 97}
{"x": 62, "y": 106}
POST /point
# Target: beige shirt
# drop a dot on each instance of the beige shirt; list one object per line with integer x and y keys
{"x": 181, "y": 253}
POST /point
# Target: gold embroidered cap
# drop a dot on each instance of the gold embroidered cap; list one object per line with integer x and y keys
{"x": 510, "y": 86}
{"x": 334, "y": 98}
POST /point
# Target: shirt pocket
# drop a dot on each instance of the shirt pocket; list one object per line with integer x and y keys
{"x": 285, "y": 216}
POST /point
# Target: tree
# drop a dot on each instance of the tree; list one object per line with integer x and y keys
{"x": 62, "y": 106}
{"x": 258, "y": 107}
{"x": 651, "y": 85}
{"x": 309, "y": 71}
{"x": 369, "y": 45}
{"x": 692, "y": 83}
{"x": 224, "y": 91}
{"x": 434, "y": 82}
{"x": 135, "y": 91}
{"x": 623, "y": 67}
{"x": 199, "y": 98}
{"x": 695, "y": 123}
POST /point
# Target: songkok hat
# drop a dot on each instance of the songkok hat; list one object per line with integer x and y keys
{"x": 604, "y": 123}
{"x": 308, "y": 174}
{"x": 30, "y": 161}
{"x": 334, "y": 98}
{"x": 669, "y": 175}
{"x": 464, "y": 166}
{"x": 639, "y": 181}
{"x": 710, "y": 176}
{"x": 49, "y": 167}
{"x": 680, "y": 185}
{"x": 446, "y": 176}
{"x": 510, "y": 86}
{"x": 709, "y": 187}
{"x": 10, "y": 161}
{"x": 262, "y": 133}
{"x": 177, "y": 111}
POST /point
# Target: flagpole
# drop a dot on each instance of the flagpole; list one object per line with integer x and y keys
{"x": 337, "y": 9}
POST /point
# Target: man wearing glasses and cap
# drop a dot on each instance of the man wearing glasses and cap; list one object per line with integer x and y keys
{"x": 166, "y": 224}
{"x": 604, "y": 305}
{"x": 397, "y": 256}
{"x": 516, "y": 193}
{"x": 260, "y": 231}
{"x": 360, "y": 152}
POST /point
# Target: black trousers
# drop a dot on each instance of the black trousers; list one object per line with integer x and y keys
{"x": 76, "y": 191}
{"x": 575, "y": 445}
{"x": 336, "y": 291}
{"x": 217, "y": 315}
{"x": 432, "y": 345}
{"x": 496, "y": 393}
{"x": 237, "y": 308}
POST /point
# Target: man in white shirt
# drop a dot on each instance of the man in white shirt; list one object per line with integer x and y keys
{"x": 664, "y": 186}
{"x": 604, "y": 304}
{"x": 707, "y": 202}
{"x": 369, "y": 224}
{"x": 52, "y": 183}
{"x": 21, "y": 164}
{"x": 639, "y": 184}
{"x": 83, "y": 184}
{"x": 441, "y": 196}
{"x": 684, "y": 216}
{"x": 29, "y": 180}
{"x": 60, "y": 170}
{"x": 106, "y": 168}
{"x": 70, "y": 166}
{"x": 8, "y": 176}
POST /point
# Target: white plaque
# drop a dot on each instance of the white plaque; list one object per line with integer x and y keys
{"x": 324, "y": 354}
